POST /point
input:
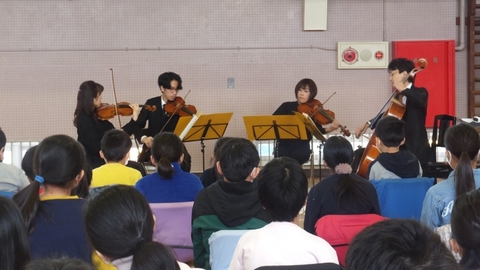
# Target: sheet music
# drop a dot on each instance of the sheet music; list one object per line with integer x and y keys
{"x": 189, "y": 126}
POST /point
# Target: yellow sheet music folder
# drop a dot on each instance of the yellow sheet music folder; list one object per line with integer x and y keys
{"x": 202, "y": 126}
{"x": 310, "y": 125}
{"x": 272, "y": 127}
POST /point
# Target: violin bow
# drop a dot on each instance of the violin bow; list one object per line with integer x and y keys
{"x": 116, "y": 110}
{"x": 115, "y": 99}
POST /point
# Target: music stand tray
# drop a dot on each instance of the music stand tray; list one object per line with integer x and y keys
{"x": 200, "y": 127}
{"x": 274, "y": 127}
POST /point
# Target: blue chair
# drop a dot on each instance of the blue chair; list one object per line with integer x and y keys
{"x": 8, "y": 194}
{"x": 402, "y": 198}
{"x": 222, "y": 245}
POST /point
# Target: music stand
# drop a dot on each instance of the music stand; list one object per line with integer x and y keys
{"x": 310, "y": 125}
{"x": 202, "y": 127}
{"x": 274, "y": 127}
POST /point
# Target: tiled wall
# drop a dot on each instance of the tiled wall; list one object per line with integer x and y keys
{"x": 49, "y": 47}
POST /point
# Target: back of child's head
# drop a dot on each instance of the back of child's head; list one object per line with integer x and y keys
{"x": 349, "y": 191}
{"x": 83, "y": 188}
{"x": 391, "y": 131}
{"x": 164, "y": 259}
{"x": 463, "y": 142}
{"x": 115, "y": 145}
{"x": 63, "y": 263}
{"x": 119, "y": 223}
{"x": 219, "y": 144}
{"x": 398, "y": 244}
{"x": 118, "y": 219}
{"x": 14, "y": 247}
{"x": 282, "y": 188}
{"x": 3, "y": 139}
{"x": 337, "y": 150}
{"x": 166, "y": 148}
{"x": 58, "y": 160}
{"x": 27, "y": 163}
{"x": 465, "y": 222}
{"x": 237, "y": 159}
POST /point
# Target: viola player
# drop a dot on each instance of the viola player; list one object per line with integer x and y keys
{"x": 415, "y": 100}
{"x": 90, "y": 128}
{"x": 169, "y": 84}
{"x": 305, "y": 91}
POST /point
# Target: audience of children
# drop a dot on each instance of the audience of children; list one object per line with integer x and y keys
{"x": 14, "y": 248}
{"x": 462, "y": 143}
{"x": 170, "y": 183}
{"x": 282, "y": 190}
{"x": 120, "y": 225}
{"x": 210, "y": 175}
{"x": 393, "y": 161}
{"x": 54, "y": 219}
{"x": 12, "y": 179}
{"x": 466, "y": 229}
{"x": 115, "y": 150}
{"x": 343, "y": 192}
{"x": 398, "y": 244}
{"x": 231, "y": 203}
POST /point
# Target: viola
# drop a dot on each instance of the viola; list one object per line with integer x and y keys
{"x": 108, "y": 111}
{"x": 315, "y": 110}
{"x": 396, "y": 109}
{"x": 178, "y": 107}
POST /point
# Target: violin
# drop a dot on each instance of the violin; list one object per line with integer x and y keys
{"x": 108, "y": 111}
{"x": 315, "y": 110}
{"x": 178, "y": 106}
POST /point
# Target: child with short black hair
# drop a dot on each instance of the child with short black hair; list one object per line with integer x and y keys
{"x": 393, "y": 161}
{"x": 282, "y": 189}
{"x": 115, "y": 151}
{"x": 397, "y": 244}
{"x": 229, "y": 204}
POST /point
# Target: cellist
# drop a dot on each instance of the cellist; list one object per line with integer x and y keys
{"x": 415, "y": 100}
{"x": 305, "y": 91}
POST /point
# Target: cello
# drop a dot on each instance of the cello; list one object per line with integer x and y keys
{"x": 396, "y": 109}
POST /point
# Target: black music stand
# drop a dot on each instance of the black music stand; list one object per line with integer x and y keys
{"x": 202, "y": 127}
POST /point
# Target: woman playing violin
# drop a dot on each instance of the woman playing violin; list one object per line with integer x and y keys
{"x": 305, "y": 91}
{"x": 169, "y": 83}
{"x": 415, "y": 100}
{"x": 90, "y": 128}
